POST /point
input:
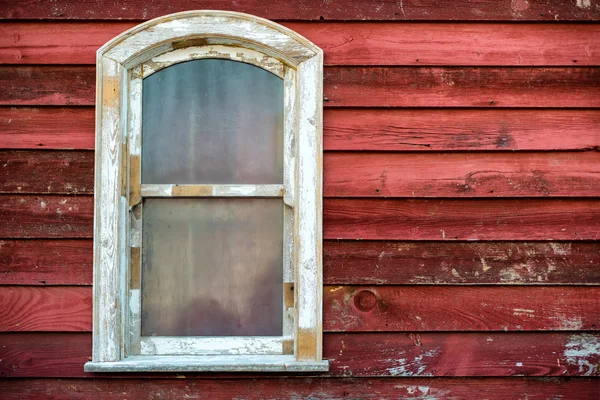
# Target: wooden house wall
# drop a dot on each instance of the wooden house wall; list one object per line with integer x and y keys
{"x": 461, "y": 212}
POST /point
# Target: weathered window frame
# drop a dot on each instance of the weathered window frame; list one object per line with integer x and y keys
{"x": 121, "y": 65}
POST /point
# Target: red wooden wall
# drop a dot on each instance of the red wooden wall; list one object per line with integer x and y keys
{"x": 461, "y": 219}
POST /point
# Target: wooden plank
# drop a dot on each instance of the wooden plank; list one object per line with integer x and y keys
{"x": 358, "y": 87}
{"x": 46, "y": 217}
{"x": 349, "y": 43}
{"x": 491, "y": 219}
{"x": 51, "y": 216}
{"x": 51, "y": 128}
{"x": 439, "y": 263}
{"x": 462, "y": 87}
{"x": 463, "y": 354}
{"x": 47, "y": 85}
{"x": 68, "y": 262}
{"x": 46, "y": 262}
{"x": 462, "y": 174}
{"x": 440, "y": 130}
{"x": 352, "y": 354}
{"x": 30, "y": 308}
{"x": 500, "y": 10}
{"x": 353, "y": 129}
{"x": 547, "y": 174}
{"x": 65, "y": 172}
{"x": 356, "y": 308}
{"x": 304, "y": 388}
{"x": 474, "y": 308}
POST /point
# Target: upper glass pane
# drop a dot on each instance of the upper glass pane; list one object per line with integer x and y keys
{"x": 212, "y": 121}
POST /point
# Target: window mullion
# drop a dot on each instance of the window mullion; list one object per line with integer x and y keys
{"x": 152, "y": 190}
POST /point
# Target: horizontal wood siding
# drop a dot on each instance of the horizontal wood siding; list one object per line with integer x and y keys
{"x": 356, "y": 308}
{"x": 353, "y": 129}
{"x": 348, "y": 43}
{"x": 461, "y": 214}
{"x": 556, "y": 87}
{"x": 304, "y": 388}
{"x": 503, "y": 10}
{"x": 550, "y": 174}
{"x": 68, "y": 262}
{"x": 500, "y": 354}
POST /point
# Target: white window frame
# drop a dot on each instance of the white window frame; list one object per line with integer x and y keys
{"x": 121, "y": 66}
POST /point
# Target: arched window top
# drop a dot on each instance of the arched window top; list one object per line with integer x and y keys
{"x": 267, "y": 129}
{"x": 207, "y": 27}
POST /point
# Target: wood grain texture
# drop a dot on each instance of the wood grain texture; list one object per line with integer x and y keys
{"x": 65, "y": 172}
{"x": 46, "y": 216}
{"x": 353, "y": 129}
{"x": 358, "y": 87}
{"x": 462, "y": 174}
{"x": 69, "y": 262}
{"x": 305, "y": 388}
{"x": 472, "y": 219}
{"x": 46, "y": 262}
{"x": 431, "y": 308}
{"x": 348, "y": 43}
{"x": 30, "y": 216}
{"x": 47, "y": 85}
{"x": 440, "y": 263}
{"x": 549, "y": 174}
{"x": 353, "y": 354}
{"x": 47, "y": 128}
{"x": 29, "y": 308}
{"x": 502, "y": 10}
{"x": 357, "y": 308}
{"x": 462, "y": 87}
{"x": 460, "y": 130}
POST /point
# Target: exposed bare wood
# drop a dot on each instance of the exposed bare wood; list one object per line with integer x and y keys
{"x": 212, "y": 190}
{"x": 158, "y": 44}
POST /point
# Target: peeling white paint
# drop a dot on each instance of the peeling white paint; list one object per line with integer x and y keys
{"x": 584, "y": 3}
{"x": 583, "y": 350}
{"x": 484, "y": 265}
{"x": 563, "y": 249}
{"x": 414, "y": 367}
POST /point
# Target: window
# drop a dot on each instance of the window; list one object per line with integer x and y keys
{"x": 207, "y": 242}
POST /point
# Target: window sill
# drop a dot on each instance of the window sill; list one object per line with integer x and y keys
{"x": 228, "y": 363}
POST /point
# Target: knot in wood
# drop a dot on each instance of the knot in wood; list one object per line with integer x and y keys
{"x": 365, "y": 300}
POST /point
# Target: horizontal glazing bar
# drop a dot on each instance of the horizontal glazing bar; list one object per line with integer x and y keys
{"x": 213, "y": 190}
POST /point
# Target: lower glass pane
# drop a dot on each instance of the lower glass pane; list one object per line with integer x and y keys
{"x": 212, "y": 267}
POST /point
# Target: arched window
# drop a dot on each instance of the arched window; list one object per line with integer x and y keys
{"x": 207, "y": 241}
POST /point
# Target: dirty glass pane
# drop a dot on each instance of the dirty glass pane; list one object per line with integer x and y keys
{"x": 212, "y": 121}
{"x": 212, "y": 267}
